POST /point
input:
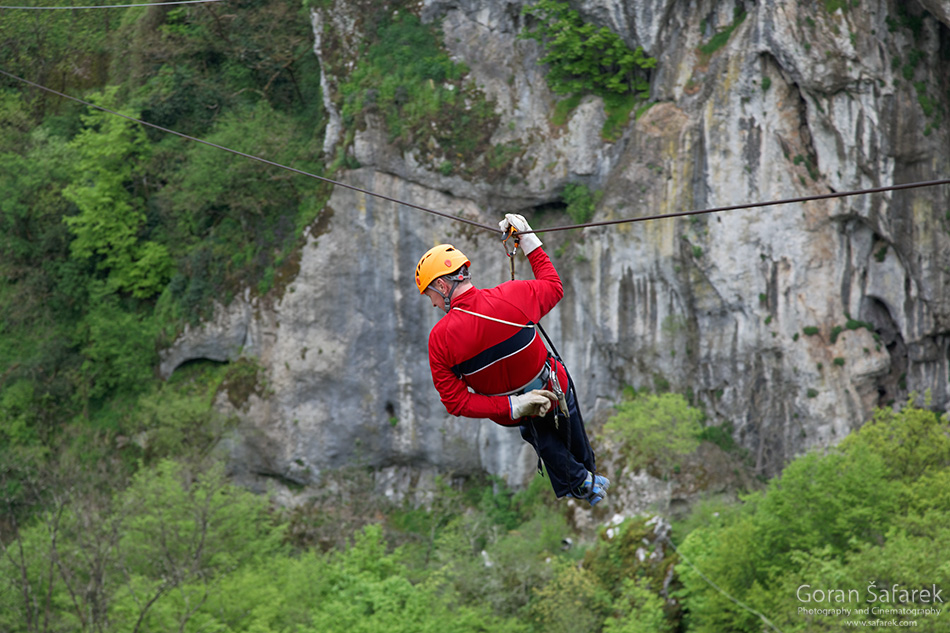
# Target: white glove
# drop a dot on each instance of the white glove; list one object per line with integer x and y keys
{"x": 536, "y": 402}
{"x": 530, "y": 241}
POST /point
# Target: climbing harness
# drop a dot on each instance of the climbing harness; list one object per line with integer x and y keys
{"x": 547, "y": 374}
{"x": 488, "y": 318}
{"x": 540, "y": 381}
{"x": 549, "y": 371}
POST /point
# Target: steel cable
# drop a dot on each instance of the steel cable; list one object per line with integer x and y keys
{"x": 251, "y": 156}
{"x": 678, "y": 214}
{"x": 112, "y": 6}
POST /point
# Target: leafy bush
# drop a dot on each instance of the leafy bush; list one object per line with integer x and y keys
{"x": 583, "y": 58}
{"x": 581, "y": 201}
{"x": 407, "y": 78}
{"x": 655, "y": 430}
{"x": 117, "y": 347}
{"x": 633, "y": 577}
{"x": 573, "y": 601}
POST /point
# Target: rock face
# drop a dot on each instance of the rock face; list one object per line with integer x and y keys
{"x": 790, "y": 321}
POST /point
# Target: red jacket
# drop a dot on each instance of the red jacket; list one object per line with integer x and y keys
{"x": 473, "y": 358}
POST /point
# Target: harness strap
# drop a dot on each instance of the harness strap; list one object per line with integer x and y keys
{"x": 540, "y": 379}
{"x": 488, "y": 318}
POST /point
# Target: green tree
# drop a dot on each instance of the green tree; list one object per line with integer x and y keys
{"x": 639, "y": 610}
{"x": 912, "y": 441}
{"x": 572, "y": 601}
{"x": 655, "y": 430}
{"x": 183, "y": 531}
{"x": 117, "y": 348}
{"x": 108, "y": 192}
{"x": 65, "y": 49}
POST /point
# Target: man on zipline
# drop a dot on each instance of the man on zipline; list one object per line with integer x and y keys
{"x": 488, "y": 361}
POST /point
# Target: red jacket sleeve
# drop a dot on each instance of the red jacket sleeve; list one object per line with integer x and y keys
{"x": 534, "y": 297}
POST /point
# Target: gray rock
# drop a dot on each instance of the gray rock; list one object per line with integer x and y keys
{"x": 798, "y": 102}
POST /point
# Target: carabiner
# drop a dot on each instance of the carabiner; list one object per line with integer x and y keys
{"x": 511, "y": 233}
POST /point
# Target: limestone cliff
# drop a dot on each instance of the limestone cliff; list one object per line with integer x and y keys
{"x": 791, "y": 322}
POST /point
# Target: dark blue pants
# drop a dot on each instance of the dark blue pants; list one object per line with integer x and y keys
{"x": 564, "y": 448}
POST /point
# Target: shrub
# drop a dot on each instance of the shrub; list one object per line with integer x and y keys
{"x": 409, "y": 80}
{"x": 655, "y": 431}
{"x": 583, "y": 58}
{"x": 581, "y": 201}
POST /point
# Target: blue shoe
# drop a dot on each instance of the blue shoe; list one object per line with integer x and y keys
{"x": 593, "y": 489}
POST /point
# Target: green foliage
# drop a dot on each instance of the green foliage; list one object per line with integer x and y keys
{"x": 145, "y": 555}
{"x": 235, "y": 220}
{"x": 634, "y": 568}
{"x": 407, "y": 78}
{"x": 581, "y": 201}
{"x": 720, "y": 435}
{"x": 810, "y": 330}
{"x": 655, "y": 430}
{"x": 180, "y": 548}
{"x": 113, "y": 235}
{"x": 834, "y": 5}
{"x": 721, "y": 38}
{"x": 866, "y": 512}
{"x": 913, "y": 441}
{"x": 65, "y": 49}
{"x": 573, "y": 601}
{"x": 117, "y": 348}
{"x": 638, "y": 610}
{"x": 176, "y": 420}
{"x": 618, "y": 109}
{"x": 110, "y": 152}
{"x": 583, "y": 58}
{"x": 833, "y": 501}
{"x": 564, "y": 108}
{"x": 854, "y": 324}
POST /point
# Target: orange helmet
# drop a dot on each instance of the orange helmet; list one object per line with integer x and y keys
{"x": 438, "y": 261}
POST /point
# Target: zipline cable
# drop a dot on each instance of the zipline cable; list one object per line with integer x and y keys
{"x": 251, "y": 156}
{"x": 748, "y": 205}
{"x": 114, "y": 6}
